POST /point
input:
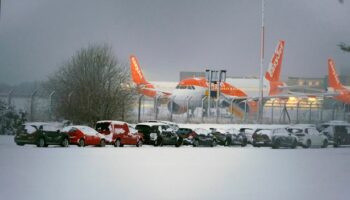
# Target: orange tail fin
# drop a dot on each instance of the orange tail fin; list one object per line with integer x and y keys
{"x": 333, "y": 78}
{"x": 274, "y": 71}
{"x": 136, "y": 73}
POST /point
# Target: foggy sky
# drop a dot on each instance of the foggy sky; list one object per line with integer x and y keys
{"x": 37, "y": 36}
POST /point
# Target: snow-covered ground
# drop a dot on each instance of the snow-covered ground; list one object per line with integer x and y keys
{"x": 172, "y": 173}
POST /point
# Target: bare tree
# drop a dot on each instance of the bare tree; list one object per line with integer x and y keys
{"x": 91, "y": 86}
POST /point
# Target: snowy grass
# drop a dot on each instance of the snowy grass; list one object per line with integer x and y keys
{"x": 171, "y": 173}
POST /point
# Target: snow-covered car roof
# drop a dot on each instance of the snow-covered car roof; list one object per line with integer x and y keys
{"x": 151, "y": 124}
{"x": 85, "y": 129}
{"x": 47, "y": 126}
{"x": 112, "y": 122}
{"x": 202, "y": 131}
{"x": 164, "y": 122}
{"x": 302, "y": 126}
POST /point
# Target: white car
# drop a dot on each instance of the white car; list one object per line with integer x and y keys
{"x": 309, "y": 136}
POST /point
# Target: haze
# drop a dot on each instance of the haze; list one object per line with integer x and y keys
{"x": 37, "y": 36}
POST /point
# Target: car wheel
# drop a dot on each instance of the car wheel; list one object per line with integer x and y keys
{"x": 195, "y": 143}
{"x": 102, "y": 143}
{"x": 41, "y": 142}
{"x": 117, "y": 143}
{"x": 227, "y": 143}
{"x": 308, "y": 144}
{"x": 178, "y": 143}
{"x": 139, "y": 143}
{"x": 65, "y": 142}
{"x": 244, "y": 143}
{"x": 213, "y": 144}
{"x": 81, "y": 142}
{"x": 294, "y": 144}
{"x": 276, "y": 144}
{"x": 155, "y": 143}
{"x": 325, "y": 144}
{"x": 160, "y": 142}
{"x": 255, "y": 144}
{"x": 20, "y": 144}
{"x": 336, "y": 143}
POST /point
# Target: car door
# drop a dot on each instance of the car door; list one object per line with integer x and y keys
{"x": 29, "y": 134}
{"x": 312, "y": 137}
{"x": 347, "y": 137}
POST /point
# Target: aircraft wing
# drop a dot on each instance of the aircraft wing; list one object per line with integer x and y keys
{"x": 291, "y": 87}
{"x": 156, "y": 90}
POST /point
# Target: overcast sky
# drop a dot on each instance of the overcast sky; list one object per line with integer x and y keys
{"x": 169, "y": 36}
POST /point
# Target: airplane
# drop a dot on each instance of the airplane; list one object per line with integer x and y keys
{"x": 194, "y": 89}
{"x": 342, "y": 92}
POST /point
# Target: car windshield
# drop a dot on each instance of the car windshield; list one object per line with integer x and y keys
{"x": 184, "y": 131}
{"x": 295, "y": 130}
{"x": 322, "y": 127}
{"x": 202, "y": 131}
{"x": 264, "y": 131}
{"x": 143, "y": 128}
{"x": 132, "y": 130}
{"x": 103, "y": 126}
{"x": 29, "y": 129}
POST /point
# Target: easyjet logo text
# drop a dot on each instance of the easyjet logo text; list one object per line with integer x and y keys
{"x": 276, "y": 59}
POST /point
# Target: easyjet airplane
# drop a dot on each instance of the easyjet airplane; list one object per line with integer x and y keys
{"x": 342, "y": 92}
{"x": 195, "y": 88}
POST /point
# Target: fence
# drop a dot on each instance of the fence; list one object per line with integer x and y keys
{"x": 40, "y": 108}
{"x": 274, "y": 112}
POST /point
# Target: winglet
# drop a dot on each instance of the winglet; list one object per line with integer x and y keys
{"x": 333, "y": 78}
{"x": 274, "y": 71}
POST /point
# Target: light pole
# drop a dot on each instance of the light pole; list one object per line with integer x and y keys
{"x": 261, "y": 96}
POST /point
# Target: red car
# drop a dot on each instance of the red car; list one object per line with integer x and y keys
{"x": 84, "y": 135}
{"x": 119, "y": 133}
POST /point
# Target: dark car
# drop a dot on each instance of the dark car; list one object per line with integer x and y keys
{"x": 203, "y": 138}
{"x": 221, "y": 138}
{"x": 187, "y": 135}
{"x": 145, "y": 129}
{"x": 41, "y": 134}
{"x": 166, "y": 137}
{"x": 235, "y": 137}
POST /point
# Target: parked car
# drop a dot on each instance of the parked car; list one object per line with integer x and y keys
{"x": 248, "y": 133}
{"x": 261, "y": 137}
{"x": 187, "y": 135}
{"x": 84, "y": 135}
{"x": 203, "y": 137}
{"x": 236, "y": 137}
{"x": 172, "y": 125}
{"x": 146, "y": 128}
{"x": 308, "y": 136}
{"x": 220, "y": 137}
{"x": 119, "y": 133}
{"x": 41, "y": 134}
{"x": 161, "y": 137}
{"x": 282, "y": 138}
{"x": 337, "y": 132}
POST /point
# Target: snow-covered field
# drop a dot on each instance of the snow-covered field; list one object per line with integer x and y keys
{"x": 172, "y": 173}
